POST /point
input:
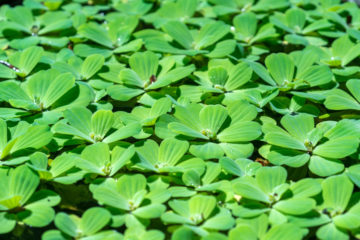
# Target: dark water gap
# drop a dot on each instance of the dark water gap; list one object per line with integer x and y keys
{"x": 11, "y": 2}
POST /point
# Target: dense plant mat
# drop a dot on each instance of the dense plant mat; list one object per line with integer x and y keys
{"x": 180, "y": 119}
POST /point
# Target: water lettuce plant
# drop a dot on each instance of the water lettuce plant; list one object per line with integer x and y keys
{"x": 179, "y": 119}
{"x": 21, "y": 203}
{"x": 192, "y": 44}
{"x": 323, "y": 146}
{"x": 130, "y": 199}
{"x": 23, "y": 29}
{"x": 196, "y": 214}
{"x": 112, "y": 38}
{"x": 144, "y": 76}
{"x": 96, "y": 159}
{"x": 19, "y": 141}
{"x": 96, "y": 127}
{"x": 87, "y": 227}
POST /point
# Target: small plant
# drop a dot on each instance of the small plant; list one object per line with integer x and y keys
{"x": 179, "y": 119}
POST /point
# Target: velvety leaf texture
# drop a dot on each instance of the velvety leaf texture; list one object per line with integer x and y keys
{"x": 180, "y": 119}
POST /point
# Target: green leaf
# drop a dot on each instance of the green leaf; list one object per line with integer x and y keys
{"x": 352, "y": 85}
{"x": 201, "y": 206}
{"x": 11, "y": 113}
{"x": 261, "y": 71}
{"x": 331, "y": 232}
{"x": 352, "y": 53}
{"x": 160, "y": 107}
{"x": 317, "y": 25}
{"x": 306, "y": 187}
{"x": 245, "y": 25}
{"x": 240, "y": 132}
{"x": 231, "y": 166}
{"x": 337, "y": 191}
{"x": 191, "y": 178}
{"x": 80, "y": 118}
{"x": 131, "y": 46}
{"x": 242, "y": 232}
{"x": 124, "y": 132}
{"x": 212, "y": 118}
{"x": 284, "y": 232}
{"x": 95, "y": 33}
{"x": 354, "y": 174}
{"x": 316, "y": 75}
{"x": 180, "y": 128}
{"x": 35, "y": 137}
{"x": 179, "y": 32}
{"x": 171, "y": 150}
{"x": 218, "y": 75}
{"x": 341, "y": 129}
{"x": 338, "y": 148}
{"x": 296, "y": 206}
{"x": 62, "y": 164}
{"x": 222, "y": 49}
{"x": 39, "y": 83}
{"x": 207, "y": 151}
{"x": 7, "y": 225}
{"x": 280, "y": 21}
{"x": 325, "y": 166}
{"x": 276, "y": 217}
{"x": 56, "y": 26}
{"x": 159, "y": 45}
{"x": 238, "y": 76}
{"x": 29, "y": 58}
{"x": 3, "y": 134}
{"x": 212, "y": 172}
{"x": 101, "y": 123}
{"x": 296, "y": 18}
{"x": 66, "y": 224}
{"x": 248, "y": 188}
{"x": 41, "y": 215}
{"x": 129, "y": 77}
{"x": 130, "y": 185}
{"x": 189, "y": 115}
{"x": 93, "y": 220}
{"x": 96, "y": 158}
{"x": 183, "y": 233}
{"x": 85, "y": 50}
{"x": 80, "y": 95}
{"x": 23, "y": 182}
{"x": 122, "y": 93}
{"x": 111, "y": 198}
{"x": 22, "y": 16}
{"x": 341, "y": 46}
{"x": 222, "y": 221}
{"x": 6, "y": 72}
{"x": 284, "y": 140}
{"x": 58, "y": 87}
{"x": 63, "y": 128}
{"x": 150, "y": 211}
{"x": 268, "y": 178}
{"x": 144, "y": 64}
{"x": 241, "y": 111}
{"x": 53, "y": 235}
{"x": 299, "y": 125}
{"x": 210, "y": 33}
{"x": 91, "y": 65}
{"x": 148, "y": 154}
{"x": 340, "y": 100}
{"x": 281, "y": 68}
{"x": 349, "y": 220}
{"x": 172, "y": 76}
{"x": 119, "y": 157}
